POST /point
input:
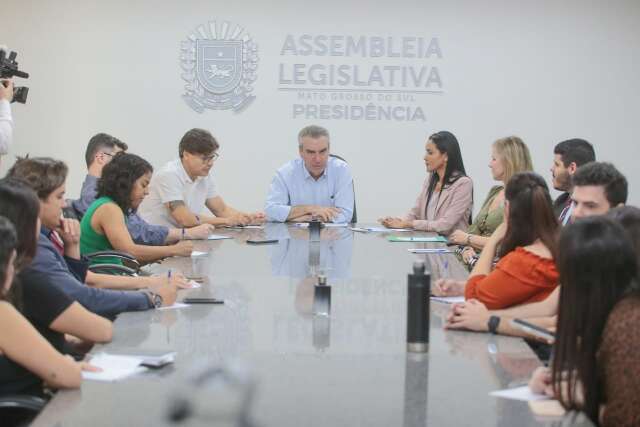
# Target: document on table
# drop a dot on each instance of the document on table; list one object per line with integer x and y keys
{"x": 214, "y": 237}
{"x": 194, "y": 285}
{"x": 114, "y": 367}
{"x": 246, "y": 227}
{"x": 379, "y": 229}
{"x": 432, "y": 239}
{"x": 519, "y": 393}
{"x": 196, "y": 254}
{"x": 324, "y": 224}
{"x": 449, "y": 300}
{"x": 430, "y": 251}
{"x": 218, "y": 237}
{"x": 175, "y": 305}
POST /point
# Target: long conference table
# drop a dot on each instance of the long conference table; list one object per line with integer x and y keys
{"x": 349, "y": 368}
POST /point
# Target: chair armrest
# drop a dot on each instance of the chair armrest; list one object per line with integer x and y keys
{"x": 127, "y": 259}
{"x": 116, "y": 269}
{"x": 22, "y": 401}
{"x": 110, "y": 254}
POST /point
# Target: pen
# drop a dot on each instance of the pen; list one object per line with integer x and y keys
{"x": 169, "y": 275}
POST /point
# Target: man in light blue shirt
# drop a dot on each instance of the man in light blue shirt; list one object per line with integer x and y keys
{"x": 315, "y": 186}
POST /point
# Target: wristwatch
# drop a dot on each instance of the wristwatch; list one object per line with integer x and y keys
{"x": 493, "y": 323}
{"x": 155, "y": 299}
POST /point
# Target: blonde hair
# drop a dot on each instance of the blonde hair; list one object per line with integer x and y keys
{"x": 515, "y": 156}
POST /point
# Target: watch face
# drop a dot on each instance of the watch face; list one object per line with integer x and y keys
{"x": 494, "y": 321}
{"x": 157, "y": 301}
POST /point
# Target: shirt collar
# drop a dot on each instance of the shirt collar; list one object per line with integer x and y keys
{"x": 45, "y": 231}
{"x": 183, "y": 173}
{"x": 307, "y": 175}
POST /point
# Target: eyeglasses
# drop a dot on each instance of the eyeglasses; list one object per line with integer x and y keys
{"x": 107, "y": 154}
{"x": 211, "y": 158}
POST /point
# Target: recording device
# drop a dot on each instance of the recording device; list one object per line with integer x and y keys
{"x": 314, "y": 230}
{"x": 322, "y": 297}
{"x": 534, "y": 330}
{"x": 419, "y": 289}
{"x": 9, "y": 69}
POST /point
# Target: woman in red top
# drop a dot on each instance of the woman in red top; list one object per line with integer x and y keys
{"x": 526, "y": 239}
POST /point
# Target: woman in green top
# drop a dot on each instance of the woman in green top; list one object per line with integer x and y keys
{"x": 509, "y": 156}
{"x": 121, "y": 189}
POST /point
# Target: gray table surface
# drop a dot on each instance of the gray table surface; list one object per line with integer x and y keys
{"x": 350, "y": 369}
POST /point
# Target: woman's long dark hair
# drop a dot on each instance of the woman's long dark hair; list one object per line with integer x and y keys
{"x": 119, "y": 177}
{"x": 446, "y": 143}
{"x": 20, "y": 205}
{"x": 531, "y": 214}
{"x": 8, "y": 243}
{"x": 597, "y": 264}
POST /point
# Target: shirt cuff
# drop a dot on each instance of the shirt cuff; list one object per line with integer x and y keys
{"x": 278, "y": 213}
{"x": 5, "y": 109}
{"x": 420, "y": 224}
{"x": 162, "y": 236}
{"x": 78, "y": 267}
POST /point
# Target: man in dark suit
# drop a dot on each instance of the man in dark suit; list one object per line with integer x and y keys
{"x": 568, "y": 156}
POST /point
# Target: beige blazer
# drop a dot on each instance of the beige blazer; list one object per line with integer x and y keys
{"x": 453, "y": 209}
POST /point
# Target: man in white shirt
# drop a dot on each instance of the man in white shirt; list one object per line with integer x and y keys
{"x": 183, "y": 193}
{"x": 314, "y": 186}
{"x": 6, "y": 122}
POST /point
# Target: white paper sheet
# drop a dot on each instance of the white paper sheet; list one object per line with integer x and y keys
{"x": 325, "y": 224}
{"x": 218, "y": 237}
{"x": 430, "y": 251}
{"x": 194, "y": 284}
{"x": 385, "y": 229}
{"x": 519, "y": 393}
{"x": 449, "y": 300}
{"x": 246, "y": 227}
{"x": 359, "y": 229}
{"x": 113, "y": 367}
{"x": 175, "y": 305}
{"x": 196, "y": 254}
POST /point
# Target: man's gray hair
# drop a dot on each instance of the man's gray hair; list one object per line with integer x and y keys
{"x": 312, "y": 131}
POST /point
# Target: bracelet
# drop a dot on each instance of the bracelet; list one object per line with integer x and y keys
{"x": 183, "y": 234}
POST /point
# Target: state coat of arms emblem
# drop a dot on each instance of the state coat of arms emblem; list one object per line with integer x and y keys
{"x": 219, "y": 63}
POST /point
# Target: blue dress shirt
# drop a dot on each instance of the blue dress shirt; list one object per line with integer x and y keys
{"x": 293, "y": 186}
{"x": 141, "y": 231}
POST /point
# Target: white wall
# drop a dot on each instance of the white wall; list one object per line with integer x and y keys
{"x": 543, "y": 70}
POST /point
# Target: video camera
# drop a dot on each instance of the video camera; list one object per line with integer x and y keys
{"x": 8, "y": 69}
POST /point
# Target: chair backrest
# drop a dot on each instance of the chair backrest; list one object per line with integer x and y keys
{"x": 354, "y": 217}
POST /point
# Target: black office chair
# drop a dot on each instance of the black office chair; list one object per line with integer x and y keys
{"x": 20, "y": 409}
{"x": 354, "y": 217}
{"x": 129, "y": 267}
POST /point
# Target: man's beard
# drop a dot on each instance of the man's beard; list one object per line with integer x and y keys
{"x": 563, "y": 182}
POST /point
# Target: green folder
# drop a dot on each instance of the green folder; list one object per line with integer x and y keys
{"x": 435, "y": 239}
